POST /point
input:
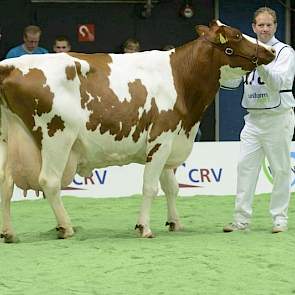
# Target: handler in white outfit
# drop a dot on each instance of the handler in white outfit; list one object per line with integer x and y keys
{"x": 269, "y": 127}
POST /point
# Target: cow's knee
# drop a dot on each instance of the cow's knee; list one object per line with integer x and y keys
{"x": 50, "y": 185}
{"x": 172, "y": 190}
{"x": 150, "y": 191}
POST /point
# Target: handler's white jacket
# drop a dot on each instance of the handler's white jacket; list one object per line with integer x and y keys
{"x": 277, "y": 75}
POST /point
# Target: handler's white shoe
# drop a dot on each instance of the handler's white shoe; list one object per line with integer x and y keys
{"x": 278, "y": 228}
{"x": 235, "y": 226}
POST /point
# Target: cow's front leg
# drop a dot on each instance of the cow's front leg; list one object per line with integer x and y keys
{"x": 170, "y": 187}
{"x": 150, "y": 190}
{"x": 156, "y": 158}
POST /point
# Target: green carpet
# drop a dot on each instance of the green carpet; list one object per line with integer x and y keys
{"x": 106, "y": 257}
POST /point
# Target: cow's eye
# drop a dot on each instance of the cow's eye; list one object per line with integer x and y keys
{"x": 238, "y": 36}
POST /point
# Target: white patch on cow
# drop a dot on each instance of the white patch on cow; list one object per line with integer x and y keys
{"x": 85, "y": 67}
{"x": 154, "y": 71}
{"x": 20, "y": 62}
{"x": 91, "y": 98}
{"x": 181, "y": 145}
{"x": 228, "y": 73}
{"x": 140, "y": 111}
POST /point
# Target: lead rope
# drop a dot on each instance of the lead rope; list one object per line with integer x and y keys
{"x": 255, "y": 58}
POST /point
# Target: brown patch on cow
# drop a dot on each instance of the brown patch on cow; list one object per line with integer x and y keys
{"x": 55, "y": 124}
{"x": 27, "y": 96}
{"x": 118, "y": 116}
{"x": 193, "y": 95}
{"x": 151, "y": 152}
{"x": 78, "y": 67}
{"x": 164, "y": 121}
{"x": 108, "y": 113}
{"x": 70, "y": 72}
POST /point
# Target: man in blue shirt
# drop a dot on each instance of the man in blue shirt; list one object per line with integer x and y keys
{"x": 31, "y": 37}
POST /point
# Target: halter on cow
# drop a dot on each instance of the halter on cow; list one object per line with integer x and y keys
{"x": 63, "y": 114}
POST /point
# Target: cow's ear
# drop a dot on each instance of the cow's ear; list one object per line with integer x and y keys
{"x": 220, "y": 36}
{"x": 202, "y": 30}
{"x": 222, "y": 39}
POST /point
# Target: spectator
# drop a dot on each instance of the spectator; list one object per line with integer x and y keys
{"x": 131, "y": 45}
{"x": 31, "y": 37}
{"x": 269, "y": 127}
{"x": 61, "y": 44}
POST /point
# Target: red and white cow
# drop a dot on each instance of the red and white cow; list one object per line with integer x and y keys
{"x": 63, "y": 114}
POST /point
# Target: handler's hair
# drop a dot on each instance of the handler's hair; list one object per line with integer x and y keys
{"x": 32, "y": 30}
{"x": 263, "y": 10}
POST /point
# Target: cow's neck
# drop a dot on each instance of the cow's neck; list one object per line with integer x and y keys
{"x": 196, "y": 70}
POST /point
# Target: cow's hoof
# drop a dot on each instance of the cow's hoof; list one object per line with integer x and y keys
{"x": 144, "y": 233}
{"x": 9, "y": 238}
{"x": 64, "y": 233}
{"x": 174, "y": 226}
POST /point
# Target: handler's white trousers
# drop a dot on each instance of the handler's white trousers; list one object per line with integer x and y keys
{"x": 270, "y": 136}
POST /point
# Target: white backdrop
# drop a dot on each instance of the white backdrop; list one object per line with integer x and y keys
{"x": 209, "y": 170}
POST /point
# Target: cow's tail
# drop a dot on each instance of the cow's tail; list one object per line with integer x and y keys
{"x": 5, "y": 71}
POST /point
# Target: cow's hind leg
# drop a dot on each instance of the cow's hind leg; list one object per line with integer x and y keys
{"x": 170, "y": 188}
{"x": 6, "y": 190}
{"x": 51, "y": 188}
{"x": 53, "y": 166}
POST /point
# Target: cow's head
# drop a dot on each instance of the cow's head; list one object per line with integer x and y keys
{"x": 237, "y": 50}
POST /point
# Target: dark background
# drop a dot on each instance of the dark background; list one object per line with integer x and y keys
{"x": 115, "y": 22}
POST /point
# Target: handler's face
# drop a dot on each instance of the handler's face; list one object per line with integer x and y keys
{"x": 265, "y": 27}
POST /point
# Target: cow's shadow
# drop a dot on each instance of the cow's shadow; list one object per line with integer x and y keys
{"x": 100, "y": 233}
